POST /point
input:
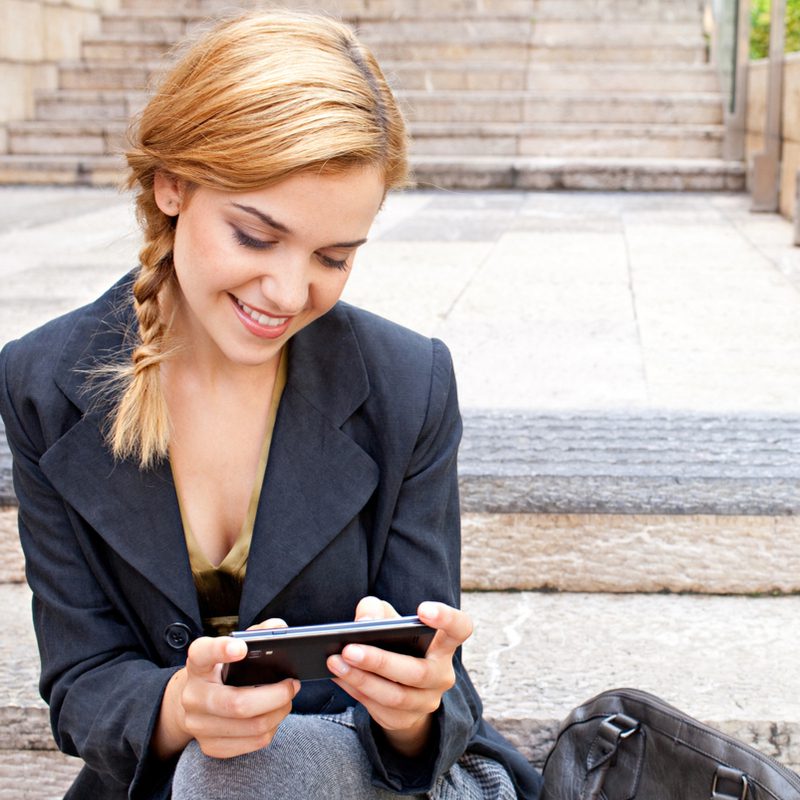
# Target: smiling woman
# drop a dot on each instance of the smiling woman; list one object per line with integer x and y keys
{"x": 218, "y": 443}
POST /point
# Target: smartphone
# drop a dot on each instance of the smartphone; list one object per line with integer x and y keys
{"x": 278, "y": 653}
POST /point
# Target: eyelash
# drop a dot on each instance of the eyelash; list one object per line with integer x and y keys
{"x": 258, "y": 244}
{"x": 249, "y": 241}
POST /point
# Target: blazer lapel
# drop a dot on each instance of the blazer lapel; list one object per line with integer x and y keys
{"x": 317, "y": 478}
{"x": 135, "y": 512}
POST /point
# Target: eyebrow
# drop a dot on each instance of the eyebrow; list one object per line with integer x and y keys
{"x": 279, "y": 226}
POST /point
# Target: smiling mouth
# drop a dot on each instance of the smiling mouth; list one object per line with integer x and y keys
{"x": 261, "y": 319}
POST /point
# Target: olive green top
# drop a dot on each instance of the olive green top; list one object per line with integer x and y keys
{"x": 219, "y": 588}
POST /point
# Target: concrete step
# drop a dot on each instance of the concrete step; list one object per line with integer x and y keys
{"x": 618, "y": 10}
{"x": 99, "y": 75}
{"x": 536, "y": 107}
{"x": 125, "y": 48}
{"x": 89, "y": 137}
{"x": 567, "y": 140}
{"x": 36, "y": 774}
{"x": 358, "y": 9}
{"x": 61, "y": 137}
{"x": 616, "y": 462}
{"x": 622, "y": 31}
{"x": 654, "y": 52}
{"x": 697, "y": 553}
{"x": 89, "y": 104}
{"x": 428, "y": 44}
{"x": 446, "y": 106}
{"x": 61, "y": 170}
{"x": 724, "y": 660}
{"x": 619, "y": 78}
{"x": 579, "y": 173}
{"x": 453, "y": 172}
{"x": 533, "y": 657}
{"x": 444, "y": 76}
{"x": 612, "y": 502}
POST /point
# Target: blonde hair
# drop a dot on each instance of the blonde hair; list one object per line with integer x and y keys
{"x": 259, "y": 98}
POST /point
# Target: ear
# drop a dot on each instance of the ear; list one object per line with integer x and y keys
{"x": 168, "y": 191}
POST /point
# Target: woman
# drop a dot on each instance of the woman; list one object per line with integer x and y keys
{"x": 218, "y": 443}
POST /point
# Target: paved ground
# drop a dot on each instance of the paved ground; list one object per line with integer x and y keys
{"x": 549, "y": 301}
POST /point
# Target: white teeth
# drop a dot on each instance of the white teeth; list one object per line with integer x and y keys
{"x": 261, "y": 319}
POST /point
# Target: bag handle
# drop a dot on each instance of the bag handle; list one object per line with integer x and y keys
{"x": 613, "y": 731}
{"x": 727, "y": 780}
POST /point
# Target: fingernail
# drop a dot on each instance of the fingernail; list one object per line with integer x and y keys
{"x": 296, "y": 686}
{"x": 234, "y": 649}
{"x": 338, "y": 665}
{"x": 429, "y": 610}
{"x": 355, "y": 653}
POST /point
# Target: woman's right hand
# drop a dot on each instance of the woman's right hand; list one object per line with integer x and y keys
{"x": 225, "y": 720}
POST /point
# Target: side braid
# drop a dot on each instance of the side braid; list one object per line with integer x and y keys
{"x": 140, "y": 425}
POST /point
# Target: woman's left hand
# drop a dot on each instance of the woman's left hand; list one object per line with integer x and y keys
{"x": 401, "y": 692}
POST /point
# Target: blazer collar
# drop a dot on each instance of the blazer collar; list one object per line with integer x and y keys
{"x": 317, "y": 477}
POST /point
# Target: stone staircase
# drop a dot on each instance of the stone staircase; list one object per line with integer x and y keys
{"x": 534, "y": 94}
{"x": 660, "y": 551}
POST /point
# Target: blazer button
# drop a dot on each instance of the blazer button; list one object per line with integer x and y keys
{"x": 177, "y": 635}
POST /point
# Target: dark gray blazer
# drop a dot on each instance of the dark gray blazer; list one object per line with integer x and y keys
{"x": 360, "y": 497}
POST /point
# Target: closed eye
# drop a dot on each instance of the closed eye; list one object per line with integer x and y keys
{"x": 246, "y": 240}
{"x": 333, "y": 263}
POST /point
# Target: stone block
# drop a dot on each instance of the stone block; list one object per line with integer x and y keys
{"x": 757, "y": 96}
{"x": 12, "y": 567}
{"x": 32, "y": 143}
{"x": 603, "y": 54}
{"x": 791, "y": 97}
{"x": 650, "y": 78}
{"x": 790, "y": 164}
{"x": 456, "y": 107}
{"x": 634, "y": 553}
{"x": 726, "y": 660}
{"x": 22, "y": 31}
{"x": 619, "y": 32}
{"x": 660, "y": 109}
{"x": 64, "y": 28}
{"x": 35, "y": 774}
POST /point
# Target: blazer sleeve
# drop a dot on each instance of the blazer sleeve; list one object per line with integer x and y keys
{"x": 103, "y": 692}
{"x": 423, "y": 551}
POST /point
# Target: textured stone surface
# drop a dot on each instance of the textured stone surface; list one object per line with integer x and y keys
{"x": 35, "y": 775}
{"x": 623, "y": 463}
{"x": 633, "y": 553}
{"x": 725, "y": 660}
{"x": 597, "y": 553}
{"x": 12, "y": 567}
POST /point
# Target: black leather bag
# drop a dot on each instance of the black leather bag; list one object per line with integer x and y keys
{"x": 627, "y": 744}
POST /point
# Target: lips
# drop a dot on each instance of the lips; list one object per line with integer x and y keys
{"x": 260, "y": 317}
{"x": 259, "y": 322}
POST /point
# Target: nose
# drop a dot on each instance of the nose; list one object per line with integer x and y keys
{"x": 286, "y": 285}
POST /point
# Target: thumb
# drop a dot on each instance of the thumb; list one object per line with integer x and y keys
{"x": 207, "y": 653}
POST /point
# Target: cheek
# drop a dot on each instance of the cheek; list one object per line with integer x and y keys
{"x": 330, "y": 289}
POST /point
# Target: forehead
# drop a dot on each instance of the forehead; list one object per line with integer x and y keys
{"x": 343, "y": 205}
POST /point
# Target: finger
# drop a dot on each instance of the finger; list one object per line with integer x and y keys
{"x": 220, "y": 702}
{"x": 378, "y": 693}
{"x": 206, "y": 653}
{"x": 272, "y": 622}
{"x": 395, "y": 667}
{"x": 374, "y": 608}
{"x": 453, "y": 627}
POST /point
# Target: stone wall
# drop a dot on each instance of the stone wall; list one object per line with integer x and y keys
{"x": 756, "y": 115}
{"x": 34, "y": 36}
